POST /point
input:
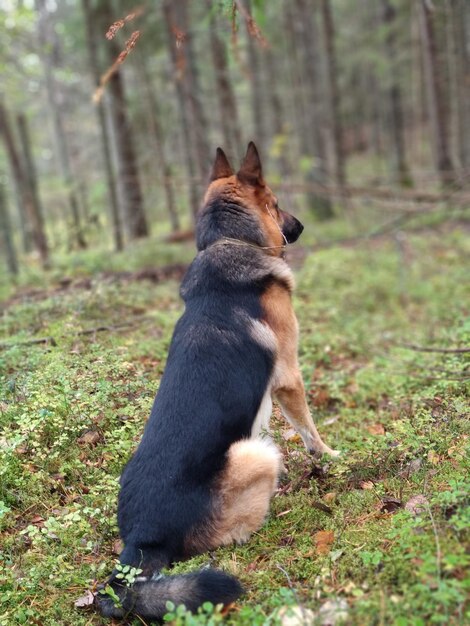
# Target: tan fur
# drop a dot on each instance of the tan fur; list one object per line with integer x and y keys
{"x": 287, "y": 384}
{"x": 248, "y": 482}
{"x": 256, "y": 198}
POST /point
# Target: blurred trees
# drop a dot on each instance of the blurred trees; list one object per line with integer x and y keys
{"x": 334, "y": 92}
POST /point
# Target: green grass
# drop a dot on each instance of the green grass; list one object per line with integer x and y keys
{"x": 70, "y": 416}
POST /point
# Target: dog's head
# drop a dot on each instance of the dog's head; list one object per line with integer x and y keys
{"x": 242, "y": 206}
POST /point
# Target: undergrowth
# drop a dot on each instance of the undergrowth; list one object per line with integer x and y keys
{"x": 383, "y": 530}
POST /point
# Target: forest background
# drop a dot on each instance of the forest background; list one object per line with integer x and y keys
{"x": 110, "y": 114}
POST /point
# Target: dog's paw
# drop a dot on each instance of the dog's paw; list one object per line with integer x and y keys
{"x": 318, "y": 453}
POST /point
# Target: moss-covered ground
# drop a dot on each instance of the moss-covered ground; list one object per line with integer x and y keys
{"x": 382, "y": 529}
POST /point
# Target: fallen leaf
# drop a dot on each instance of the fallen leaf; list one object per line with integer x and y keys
{"x": 366, "y": 484}
{"x": 411, "y": 468}
{"x": 291, "y": 435}
{"x": 323, "y": 540}
{"x": 86, "y": 600}
{"x": 376, "y": 429}
{"x": 330, "y": 496}
{"x": 433, "y": 457}
{"x": 416, "y": 505}
{"x": 117, "y": 546}
{"x": 90, "y": 437}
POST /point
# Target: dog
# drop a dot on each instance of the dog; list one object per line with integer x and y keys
{"x": 204, "y": 472}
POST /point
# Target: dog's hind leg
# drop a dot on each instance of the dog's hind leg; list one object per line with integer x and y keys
{"x": 248, "y": 482}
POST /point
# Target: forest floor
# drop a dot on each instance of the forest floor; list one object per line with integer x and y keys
{"x": 376, "y": 536}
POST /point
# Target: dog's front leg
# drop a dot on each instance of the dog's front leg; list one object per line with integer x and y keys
{"x": 290, "y": 393}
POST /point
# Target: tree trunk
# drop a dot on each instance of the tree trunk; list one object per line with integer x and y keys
{"x": 335, "y": 125}
{"x": 158, "y": 141}
{"x": 257, "y": 88}
{"x": 49, "y": 44}
{"x": 28, "y": 162}
{"x": 178, "y": 59}
{"x": 190, "y": 79}
{"x": 389, "y": 15}
{"x": 22, "y": 184}
{"x": 93, "y": 60}
{"x": 132, "y": 201}
{"x": 460, "y": 35}
{"x": 435, "y": 95}
{"x": 226, "y": 97}
{"x": 307, "y": 29}
{"x": 6, "y": 234}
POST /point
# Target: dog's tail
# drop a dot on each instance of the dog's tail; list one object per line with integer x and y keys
{"x": 148, "y": 598}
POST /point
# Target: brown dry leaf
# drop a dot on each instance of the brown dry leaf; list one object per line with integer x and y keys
{"x": 91, "y": 437}
{"x": 433, "y": 457}
{"x": 366, "y": 484}
{"x": 84, "y": 601}
{"x": 376, "y": 429}
{"x": 117, "y": 546}
{"x": 323, "y": 540}
{"x": 416, "y": 505}
{"x": 291, "y": 435}
{"x": 330, "y": 496}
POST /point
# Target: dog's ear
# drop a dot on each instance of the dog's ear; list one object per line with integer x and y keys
{"x": 221, "y": 167}
{"x": 251, "y": 170}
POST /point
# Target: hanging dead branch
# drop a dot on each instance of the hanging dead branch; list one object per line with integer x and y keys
{"x": 251, "y": 26}
{"x": 128, "y": 47}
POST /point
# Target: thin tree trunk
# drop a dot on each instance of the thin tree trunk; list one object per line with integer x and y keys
{"x": 132, "y": 200}
{"x": 22, "y": 183}
{"x": 257, "y": 89}
{"x": 93, "y": 60}
{"x": 157, "y": 135}
{"x": 177, "y": 56}
{"x": 435, "y": 95}
{"x": 190, "y": 79}
{"x": 48, "y": 41}
{"x": 226, "y": 97}
{"x": 460, "y": 35}
{"x": 6, "y": 234}
{"x": 333, "y": 93}
{"x": 28, "y": 162}
{"x": 307, "y": 29}
{"x": 389, "y": 15}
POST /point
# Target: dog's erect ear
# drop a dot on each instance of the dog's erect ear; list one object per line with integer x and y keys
{"x": 250, "y": 170}
{"x": 221, "y": 167}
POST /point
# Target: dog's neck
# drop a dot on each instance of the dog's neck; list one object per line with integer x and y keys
{"x": 231, "y": 241}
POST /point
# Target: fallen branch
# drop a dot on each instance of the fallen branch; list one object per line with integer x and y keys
{"x": 87, "y": 331}
{"x": 4, "y": 345}
{"x": 412, "y": 346}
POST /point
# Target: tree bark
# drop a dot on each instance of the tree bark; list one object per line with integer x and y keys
{"x": 28, "y": 162}
{"x": 49, "y": 44}
{"x": 389, "y": 15}
{"x": 6, "y": 234}
{"x": 178, "y": 59}
{"x": 257, "y": 88}
{"x": 335, "y": 125}
{"x": 135, "y": 220}
{"x": 93, "y": 60}
{"x": 307, "y": 29}
{"x": 153, "y": 115}
{"x": 226, "y": 97}
{"x": 460, "y": 34}
{"x": 435, "y": 95}
{"x": 22, "y": 184}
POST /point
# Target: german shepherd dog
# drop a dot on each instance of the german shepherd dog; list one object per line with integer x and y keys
{"x": 205, "y": 471}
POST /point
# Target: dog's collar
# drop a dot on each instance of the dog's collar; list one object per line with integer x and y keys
{"x": 239, "y": 242}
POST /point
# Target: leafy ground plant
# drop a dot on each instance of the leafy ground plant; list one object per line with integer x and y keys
{"x": 381, "y": 532}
